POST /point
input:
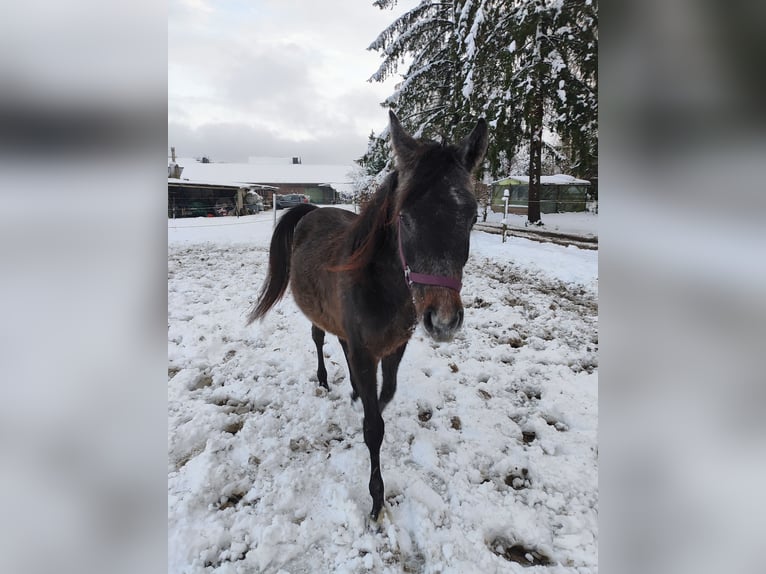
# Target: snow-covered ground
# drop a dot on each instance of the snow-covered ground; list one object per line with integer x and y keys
{"x": 490, "y": 450}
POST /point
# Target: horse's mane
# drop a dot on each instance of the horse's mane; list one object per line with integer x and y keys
{"x": 369, "y": 229}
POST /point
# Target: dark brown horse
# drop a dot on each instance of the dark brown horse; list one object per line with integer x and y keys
{"x": 369, "y": 278}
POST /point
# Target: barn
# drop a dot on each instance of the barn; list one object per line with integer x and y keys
{"x": 193, "y": 198}
{"x": 323, "y": 183}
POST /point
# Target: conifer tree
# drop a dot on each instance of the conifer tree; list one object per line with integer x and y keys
{"x": 524, "y": 65}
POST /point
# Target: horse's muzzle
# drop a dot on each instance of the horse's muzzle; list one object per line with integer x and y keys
{"x": 440, "y": 329}
{"x": 441, "y": 312}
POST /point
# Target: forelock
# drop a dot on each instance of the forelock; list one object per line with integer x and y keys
{"x": 433, "y": 168}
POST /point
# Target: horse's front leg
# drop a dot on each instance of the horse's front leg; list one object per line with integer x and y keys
{"x": 354, "y": 393}
{"x": 390, "y": 368}
{"x": 364, "y": 372}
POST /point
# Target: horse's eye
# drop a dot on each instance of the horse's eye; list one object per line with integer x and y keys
{"x": 473, "y": 221}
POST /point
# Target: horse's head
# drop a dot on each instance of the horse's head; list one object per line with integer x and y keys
{"x": 435, "y": 210}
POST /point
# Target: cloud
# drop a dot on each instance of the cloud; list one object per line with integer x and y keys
{"x": 236, "y": 142}
{"x": 254, "y": 78}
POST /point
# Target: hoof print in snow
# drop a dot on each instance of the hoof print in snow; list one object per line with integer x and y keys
{"x": 484, "y": 394}
{"x": 478, "y": 303}
{"x": 414, "y": 562}
{"x": 518, "y": 553}
{"x": 532, "y": 394}
{"x": 515, "y": 342}
{"x": 455, "y": 423}
{"x": 230, "y": 501}
{"x": 234, "y": 427}
{"x": 231, "y": 405}
{"x": 334, "y": 434}
{"x": 320, "y": 391}
{"x": 518, "y": 480}
{"x": 183, "y": 460}
{"x": 299, "y": 444}
{"x": 394, "y": 498}
{"x": 172, "y": 372}
{"x": 587, "y": 365}
{"x": 230, "y": 355}
{"x": 200, "y": 382}
{"x": 453, "y": 367}
{"x": 528, "y": 437}
{"x": 217, "y": 558}
{"x": 425, "y": 415}
{"x": 558, "y": 425}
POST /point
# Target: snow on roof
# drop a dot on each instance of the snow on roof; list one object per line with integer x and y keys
{"x": 558, "y": 179}
{"x": 219, "y": 183}
{"x": 270, "y": 160}
{"x": 337, "y": 176}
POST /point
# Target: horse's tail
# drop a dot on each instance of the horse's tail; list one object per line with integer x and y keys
{"x": 280, "y": 251}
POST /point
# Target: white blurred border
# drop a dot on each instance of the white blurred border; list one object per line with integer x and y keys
{"x": 83, "y": 291}
{"x": 682, "y": 282}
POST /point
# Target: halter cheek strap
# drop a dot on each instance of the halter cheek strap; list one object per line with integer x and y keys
{"x": 422, "y": 279}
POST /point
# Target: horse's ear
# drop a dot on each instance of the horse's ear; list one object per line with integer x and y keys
{"x": 474, "y": 146}
{"x": 404, "y": 144}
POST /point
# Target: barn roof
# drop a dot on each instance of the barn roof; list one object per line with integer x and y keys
{"x": 338, "y": 176}
{"x": 218, "y": 183}
{"x": 558, "y": 179}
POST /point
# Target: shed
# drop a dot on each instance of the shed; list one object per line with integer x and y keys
{"x": 558, "y": 193}
{"x": 322, "y": 183}
{"x": 193, "y": 198}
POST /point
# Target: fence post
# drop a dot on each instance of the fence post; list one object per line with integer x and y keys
{"x": 505, "y": 213}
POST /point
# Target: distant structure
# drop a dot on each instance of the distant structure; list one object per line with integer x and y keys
{"x": 323, "y": 183}
{"x": 174, "y": 170}
{"x": 262, "y": 160}
{"x": 559, "y": 193}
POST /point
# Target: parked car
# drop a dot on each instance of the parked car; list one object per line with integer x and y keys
{"x": 290, "y": 200}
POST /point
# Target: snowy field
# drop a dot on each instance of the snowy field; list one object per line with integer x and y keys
{"x": 490, "y": 451}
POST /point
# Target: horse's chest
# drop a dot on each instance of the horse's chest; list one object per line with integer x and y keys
{"x": 387, "y": 328}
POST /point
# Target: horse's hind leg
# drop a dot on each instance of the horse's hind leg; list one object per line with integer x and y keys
{"x": 354, "y": 393}
{"x": 318, "y": 335}
{"x": 390, "y": 366}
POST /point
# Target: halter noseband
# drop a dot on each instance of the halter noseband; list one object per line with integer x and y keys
{"x": 410, "y": 277}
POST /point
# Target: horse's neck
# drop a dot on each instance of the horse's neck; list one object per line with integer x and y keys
{"x": 377, "y": 221}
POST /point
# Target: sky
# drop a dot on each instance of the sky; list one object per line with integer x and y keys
{"x": 275, "y": 78}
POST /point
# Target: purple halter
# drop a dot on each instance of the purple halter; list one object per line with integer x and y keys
{"x": 411, "y": 277}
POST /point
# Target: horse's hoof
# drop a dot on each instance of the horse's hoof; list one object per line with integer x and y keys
{"x": 375, "y": 512}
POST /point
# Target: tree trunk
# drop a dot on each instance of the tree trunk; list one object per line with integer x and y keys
{"x": 535, "y": 156}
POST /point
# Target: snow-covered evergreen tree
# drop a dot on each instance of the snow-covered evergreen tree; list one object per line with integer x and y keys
{"x": 536, "y": 69}
{"x": 428, "y": 99}
{"x": 374, "y": 165}
{"x": 524, "y": 65}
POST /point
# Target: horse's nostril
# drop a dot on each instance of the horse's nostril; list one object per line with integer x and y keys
{"x": 458, "y": 321}
{"x": 428, "y": 321}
